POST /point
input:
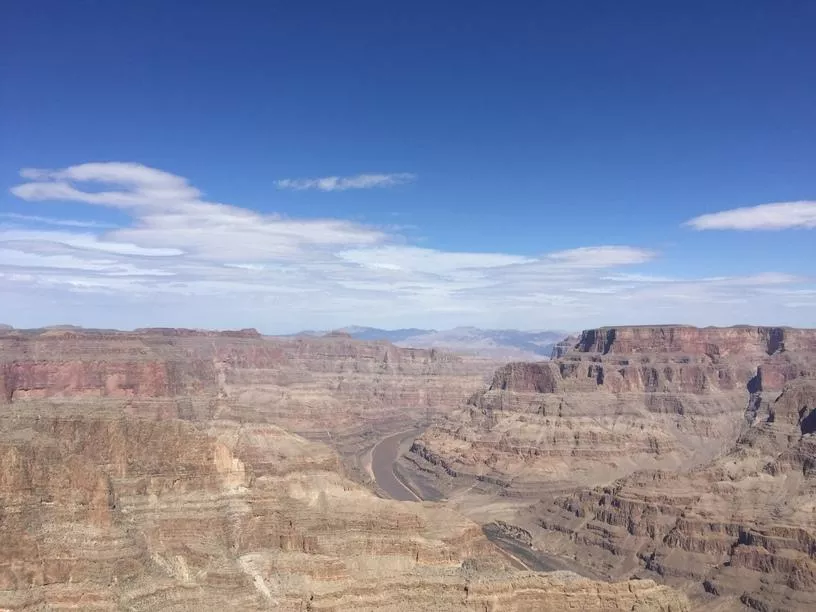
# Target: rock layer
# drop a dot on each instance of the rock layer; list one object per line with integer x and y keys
{"x": 335, "y": 389}
{"x": 712, "y": 341}
{"x": 133, "y": 478}
{"x": 632, "y": 431}
{"x": 620, "y": 400}
{"x": 742, "y": 526}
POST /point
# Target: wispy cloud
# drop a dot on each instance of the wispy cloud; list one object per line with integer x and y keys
{"x": 54, "y": 221}
{"x": 342, "y": 183}
{"x": 184, "y": 260}
{"x": 602, "y": 256}
{"x": 399, "y": 257}
{"x": 777, "y": 216}
{"x": 169, "y": 211}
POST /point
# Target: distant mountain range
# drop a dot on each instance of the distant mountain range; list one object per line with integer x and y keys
{"x": 493, "y": 343}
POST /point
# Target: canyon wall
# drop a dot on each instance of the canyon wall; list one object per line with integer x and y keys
{"x": 712, "y": 341}
{"x": 742, "y": 527}
{"x": 106, "y": 512}
{"x": 620, "y": 399}
{"x": 619, "y": 429}
{"x": 136, "y": 473}
{"x": 336, "y": 389}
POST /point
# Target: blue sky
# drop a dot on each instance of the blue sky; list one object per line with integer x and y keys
{"x": 533, "y": 165}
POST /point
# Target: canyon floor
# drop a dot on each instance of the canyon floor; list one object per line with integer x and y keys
{"x": 654, "y": 468}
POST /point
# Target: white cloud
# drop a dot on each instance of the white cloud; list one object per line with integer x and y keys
{"x": 602, "y": 256}
{"x": 427, "y": 260}
{"x": 80, "y": 242}
{"x": 183, "y": 260}
{"x": 168, "y": 211}
{"x": 808, "y": 305}
{"x": 638, "y": 278}
{"x": 55, "y": 221}
{"x": 781, "y": 215}
{"x": 63, "y": 261}
{"x": 342, "y": 183}
{"x": 759, "y": 280}
{"x": 602, "y": 290}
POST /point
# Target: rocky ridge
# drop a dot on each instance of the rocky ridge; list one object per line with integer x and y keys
{"x": 741, "y": 527}
{"x": 621, "y": 399}
{"x": 334, "y": 389}
{"x": 132, "y": 478}
{"x": 665, "y": 404}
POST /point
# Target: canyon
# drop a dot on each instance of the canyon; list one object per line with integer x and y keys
{"x": 643, "y": 468}
{"x": 334, "y": 389}
{"x": 184, "y": 470}
{"x": 674, "y": 452}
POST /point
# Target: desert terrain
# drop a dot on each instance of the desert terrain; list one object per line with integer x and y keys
{"x": 674, "y": 452}
{"x": 645, "y": 468}
{"x": 160, "y": 469}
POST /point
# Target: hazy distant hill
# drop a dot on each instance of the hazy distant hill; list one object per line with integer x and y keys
{"x": 392, "y": 335}
{"x": 495, "y": 343}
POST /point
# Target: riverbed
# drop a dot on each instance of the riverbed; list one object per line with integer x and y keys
{"x": 383, "y": 457}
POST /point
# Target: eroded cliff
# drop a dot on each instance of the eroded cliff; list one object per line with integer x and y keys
{"x": 621, "y": 399}
{"x": 742, "y": 526}
{"x": 132, "y": 478}
{"x": 665, "y": 404}
{"x": 335, "y": 389}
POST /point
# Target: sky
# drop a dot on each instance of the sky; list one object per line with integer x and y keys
{"x": 311, "y": 165}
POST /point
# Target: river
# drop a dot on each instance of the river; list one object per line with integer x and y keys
{"x": 383, "y": 458}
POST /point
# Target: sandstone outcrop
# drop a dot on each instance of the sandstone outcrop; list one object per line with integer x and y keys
{"x": 713, "y": 341}
{"x": 136, "y": 474}
{"x": 741, "y": 527}
{"x": 342, "y": 391}
{"x": 563, "y": 347}
{"x": 621, "y": 399}
{"x": 652, "y": 413}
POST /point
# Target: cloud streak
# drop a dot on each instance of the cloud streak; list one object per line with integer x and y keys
{"x": 343, "y": 183}
{"x": 54, "y": 221}
{"x": 777, "y": 216}
{"x": 184, "y": 260}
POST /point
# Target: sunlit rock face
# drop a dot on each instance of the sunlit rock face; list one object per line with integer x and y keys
{"x": 144, "y": 471}
{"x": 610, "y": 454}
{"x": 618, "y": 400}
{"x": 741, "y": 527}
{"x": 334, "y": 388}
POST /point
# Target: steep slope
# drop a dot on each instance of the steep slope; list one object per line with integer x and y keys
{"x": 130, "y": 479}
{"x": 660, "y": 410}
{"x": 741, "y": 527}
{"x": 622, "y": 399}
{"x": 336, "y": 389}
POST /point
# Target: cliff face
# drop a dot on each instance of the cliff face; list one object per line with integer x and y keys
{"x": 110, "y": 512}
{"x": 563, "y": 347}
{"x": 620, "y": 399}
{"x": 632, "y": 432}
{"x": 741, "y": 527}
{"x": 712, "y": 341}
{"x": 137, "y": 473}
{"x": 313, "y": 386}
{"x": 165, "y": 363}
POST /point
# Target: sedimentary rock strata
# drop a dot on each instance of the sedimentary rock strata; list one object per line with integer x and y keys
{"x": 131, "y": 478}
{"x": 700, "y": 440}
{"x": 336, "y": 389}
{"x": 741, "y": 527}
{"x": 622, "y": 399}
{"x": 713, "y": 341}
